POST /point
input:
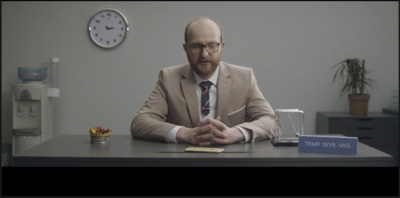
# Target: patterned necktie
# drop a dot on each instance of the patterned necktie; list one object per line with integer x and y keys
{"x": 205, "y": 97}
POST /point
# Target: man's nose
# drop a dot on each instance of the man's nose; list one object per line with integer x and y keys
{"x": 204, "y": 51}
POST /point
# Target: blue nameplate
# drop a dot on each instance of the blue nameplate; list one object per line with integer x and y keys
{"x": 328, "y": 144}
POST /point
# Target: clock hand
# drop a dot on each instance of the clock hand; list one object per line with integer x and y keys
{"x": 109, "y": 28}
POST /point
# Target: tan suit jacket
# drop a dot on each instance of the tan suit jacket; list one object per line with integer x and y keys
{"x": 174, "y": 102}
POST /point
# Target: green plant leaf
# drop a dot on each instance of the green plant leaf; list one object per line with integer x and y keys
{"x": 354, "y": 76}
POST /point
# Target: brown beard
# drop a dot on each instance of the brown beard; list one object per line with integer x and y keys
{"x": 205, "y": 72}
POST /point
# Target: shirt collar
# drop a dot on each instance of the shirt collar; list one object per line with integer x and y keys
{"x": 213, "y": 78}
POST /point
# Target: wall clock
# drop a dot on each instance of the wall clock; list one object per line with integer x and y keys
{"x": 108, "y": 28}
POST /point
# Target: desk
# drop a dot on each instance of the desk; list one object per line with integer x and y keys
{"x": 122, "y": 150}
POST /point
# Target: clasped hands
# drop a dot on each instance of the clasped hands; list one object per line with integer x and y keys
{"x": 210, "y": 132}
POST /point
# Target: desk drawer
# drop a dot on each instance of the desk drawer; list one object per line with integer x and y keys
{"x": 371, "y": 136}
{"x": 362, "y": 122}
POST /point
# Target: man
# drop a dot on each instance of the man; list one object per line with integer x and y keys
{"x": 235, "y": 110}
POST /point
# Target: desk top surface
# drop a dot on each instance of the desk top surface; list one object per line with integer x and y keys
{"x": 123, "y": 146}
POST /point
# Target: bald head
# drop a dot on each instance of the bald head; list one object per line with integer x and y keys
{"x": 204, "y": 22}
{"x": 203, "y": 32}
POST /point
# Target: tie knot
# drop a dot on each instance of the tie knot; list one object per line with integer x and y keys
{"x": 206, "y": 84}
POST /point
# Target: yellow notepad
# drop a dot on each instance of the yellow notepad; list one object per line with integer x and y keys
{"x": 204, "y": 149}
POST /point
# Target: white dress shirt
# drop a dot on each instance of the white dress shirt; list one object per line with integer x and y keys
{"x": 171, "y": 136}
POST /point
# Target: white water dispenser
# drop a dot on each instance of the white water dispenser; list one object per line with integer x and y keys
{"x": 32, "y": 109}
{"x": 32, "y": 115}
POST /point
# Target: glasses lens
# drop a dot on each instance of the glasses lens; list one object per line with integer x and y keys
{"x": 210, "y": 47}
{"x": 196, "y": 48}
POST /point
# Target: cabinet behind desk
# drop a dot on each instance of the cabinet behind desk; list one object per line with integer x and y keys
{"x": 378, "y": 130}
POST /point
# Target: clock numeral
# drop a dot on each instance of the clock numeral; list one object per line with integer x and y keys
{"x": 120, "y": 22}
{"x": 102, "y": 16}
{"x": 96, "y": 34}
{"x": 120, "y": 35}
{"x": 122, "y": 29}
{"x": 108, "y": 42}
{"x": 97, "y": 21}
{"x": 94, "y": 27}
{"x": 108, "y": 14}
{"x": 115, "y": 40}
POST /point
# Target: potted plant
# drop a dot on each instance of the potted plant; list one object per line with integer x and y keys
{"x": 355, "y": 81}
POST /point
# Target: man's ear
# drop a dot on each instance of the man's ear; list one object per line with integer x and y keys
{"x": 185, "y": 47}
{"x": 223, "y": 44}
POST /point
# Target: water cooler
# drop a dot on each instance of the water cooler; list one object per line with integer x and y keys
{"x": 32, "y": 115}
{"x": 32, "y": 111}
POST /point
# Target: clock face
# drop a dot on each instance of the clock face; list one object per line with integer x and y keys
{"x": 108, "y": 28}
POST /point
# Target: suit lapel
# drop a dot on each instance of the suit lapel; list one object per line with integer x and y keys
{"x": 223, "y": 89}
{"x": 189, "y": 87}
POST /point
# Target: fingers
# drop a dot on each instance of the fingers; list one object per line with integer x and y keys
{"x": 187, "y": 135}
{"x": 210, "y": 135}
{"x": 215, "y": 122}
{"x": 214, "y": 141}
{"x": 204, "y": 122}
{"x": 210, "y": 131}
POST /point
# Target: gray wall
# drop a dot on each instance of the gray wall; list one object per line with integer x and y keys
{"x": 290, "y": 45}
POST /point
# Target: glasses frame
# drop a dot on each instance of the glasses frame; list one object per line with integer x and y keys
{"x": 204, "y": 46}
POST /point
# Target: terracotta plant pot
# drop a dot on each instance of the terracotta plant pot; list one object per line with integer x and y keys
{"x": 358, "y": 104}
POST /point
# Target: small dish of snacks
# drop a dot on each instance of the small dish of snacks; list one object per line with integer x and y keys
{"x": 99, "y": 135}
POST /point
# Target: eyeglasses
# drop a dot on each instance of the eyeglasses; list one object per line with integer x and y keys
{"x": 196, "y": 48}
